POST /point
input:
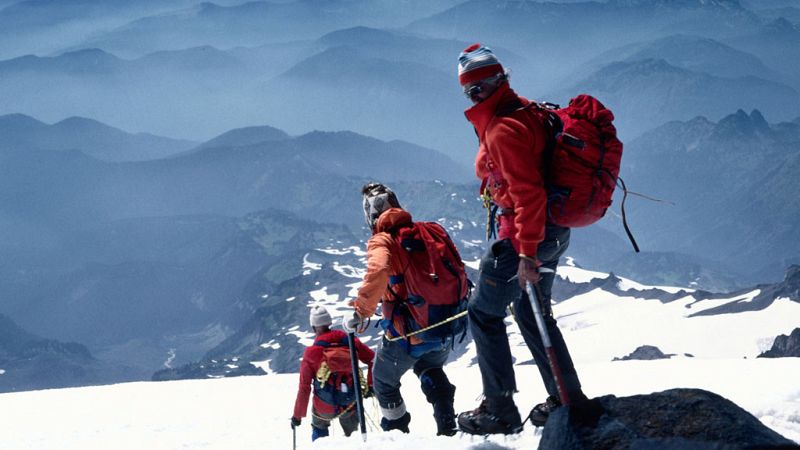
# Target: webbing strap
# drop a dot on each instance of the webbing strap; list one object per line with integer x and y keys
{"x": 624, "y": 219}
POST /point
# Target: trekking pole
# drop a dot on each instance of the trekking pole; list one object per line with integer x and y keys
{"x": 351, "y": 341}
{"x": 294, "y": 438}
{"x": 535, "y": 297}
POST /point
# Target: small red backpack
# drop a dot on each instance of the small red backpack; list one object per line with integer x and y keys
{"x": 337, "y": 387}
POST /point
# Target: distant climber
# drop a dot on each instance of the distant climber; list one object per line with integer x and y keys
{"x": 326, "y": 364}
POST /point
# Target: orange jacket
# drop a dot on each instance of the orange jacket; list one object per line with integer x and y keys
{"x": 384, "y": 258}
{"x": 509, "y": 162}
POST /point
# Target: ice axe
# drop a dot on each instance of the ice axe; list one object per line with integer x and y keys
{"x": 535, "y": 297}
{"x": 351, "y": 341}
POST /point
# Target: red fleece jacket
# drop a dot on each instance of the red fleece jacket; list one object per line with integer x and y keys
{"x": 312, "y": 359}
{"x": 509, "y": 162}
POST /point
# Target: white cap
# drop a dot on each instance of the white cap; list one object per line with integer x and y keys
{"x": 319, "y": 317}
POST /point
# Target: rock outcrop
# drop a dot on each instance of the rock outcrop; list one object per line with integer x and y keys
{"x": 687, "y": 419}
{"x": 784, "y": 346}
{"x": 646, "y": 352}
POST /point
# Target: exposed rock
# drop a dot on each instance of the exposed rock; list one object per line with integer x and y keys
{"x": 788, "y": 288}
{"x": 784, "y": 346}
{"x": 674, "y": 419}
{"x": 564, "y": 290}
{"x": 645, "y": 352}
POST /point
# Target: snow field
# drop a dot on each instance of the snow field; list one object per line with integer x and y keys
{"x": 599, "y": 326}
{"x": 254, "y": 412}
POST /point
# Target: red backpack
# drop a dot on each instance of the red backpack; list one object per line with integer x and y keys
{"x": 582, "y": 162}
{"x": 436, "y": 283}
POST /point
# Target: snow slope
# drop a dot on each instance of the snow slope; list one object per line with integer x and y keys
{"x": 253, "y": 412}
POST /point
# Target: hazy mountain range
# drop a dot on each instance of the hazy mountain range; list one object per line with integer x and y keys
{"x": 734, "y": 198}
{"x": 22, "y": 133}
{"x": 649, "y": 92}
{"x": 244, "y": 24}
{"x": 355, "y": 65}
{"x": 30, "y": 362}
{"x": 145, "y": 258}
{"x": 249, "y": 128}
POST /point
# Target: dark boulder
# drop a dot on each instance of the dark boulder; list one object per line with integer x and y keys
{"x": 674, "y": 419}
{"x": 645, "y": 352}
{"x": 784, "y": 346}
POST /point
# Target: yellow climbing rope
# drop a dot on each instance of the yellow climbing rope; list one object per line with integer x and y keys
{"x": 429, "y": 327}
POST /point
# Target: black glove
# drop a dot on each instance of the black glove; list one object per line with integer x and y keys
{"x": 295, "y": 422}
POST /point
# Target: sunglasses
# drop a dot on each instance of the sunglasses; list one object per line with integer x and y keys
{"x": 471, "y": 90}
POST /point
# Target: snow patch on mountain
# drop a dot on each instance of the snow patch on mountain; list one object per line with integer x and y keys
{"x": 574, "y": 274}
{"x": 716, "y": 302}
{"x": 349, "y": 271}
{"x": 353, "y": 250}
{"x": 303, "y": 337}
{"x": 599, "y": 326}
{"x": 308, "y": 266}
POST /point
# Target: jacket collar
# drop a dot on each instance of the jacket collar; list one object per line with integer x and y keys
{"x": 331, "y": 336}
{"x": 392, "y": 219}
{"x": 504, "y": 98}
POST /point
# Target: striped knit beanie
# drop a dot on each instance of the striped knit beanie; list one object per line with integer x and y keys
{"x": 477, "y": 62}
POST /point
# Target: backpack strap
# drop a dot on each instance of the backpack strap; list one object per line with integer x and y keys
{"x": 554, "y": 127}
{"x": 624, "y": 219}
{"x": 325, "y": 344}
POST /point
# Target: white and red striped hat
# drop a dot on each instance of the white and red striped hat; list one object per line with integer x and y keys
{"x": 476, "y": 63}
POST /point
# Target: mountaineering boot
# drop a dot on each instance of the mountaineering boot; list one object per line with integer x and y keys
{"x": 497, "y": 415}
{"x": 400, "y": 423}
{"x": 317, "y": 433}
{"x": 440, "y": 393}
{"x": 445, "y": 418}
{"x": 539, "y": 414}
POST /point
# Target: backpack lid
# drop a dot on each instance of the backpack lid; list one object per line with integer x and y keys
{"x": 392, "y": 220}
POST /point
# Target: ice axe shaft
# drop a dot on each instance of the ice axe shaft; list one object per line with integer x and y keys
{"x": 351, "y": 341}
{"x": 535, "y": 297}
{"x": 294, "y": 438}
